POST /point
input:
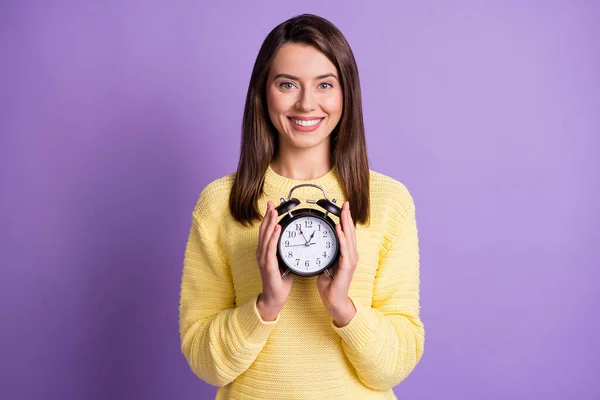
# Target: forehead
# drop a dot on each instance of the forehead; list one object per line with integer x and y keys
{"x": 301, "y": 60}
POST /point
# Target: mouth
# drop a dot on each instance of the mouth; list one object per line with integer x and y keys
{"x": 306, "y": 125}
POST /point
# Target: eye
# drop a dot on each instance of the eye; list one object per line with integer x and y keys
{"x": 286, "y": 85}
{"x": 325, "y": 85}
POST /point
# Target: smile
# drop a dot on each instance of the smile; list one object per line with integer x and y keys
{"x": 306, "y": 125}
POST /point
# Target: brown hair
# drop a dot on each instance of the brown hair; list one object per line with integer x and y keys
{"x": 259, "y": 136}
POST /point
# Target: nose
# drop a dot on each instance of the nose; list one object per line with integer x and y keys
{"x": 307, "y": 101}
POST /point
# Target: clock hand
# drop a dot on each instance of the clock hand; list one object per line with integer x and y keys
{"x": 296, "y": 245}
{"x": 311, "y": 236}
{"x": 302, "y": 233}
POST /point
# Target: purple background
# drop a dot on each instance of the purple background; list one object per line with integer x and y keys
{"x": 115, "y": 114}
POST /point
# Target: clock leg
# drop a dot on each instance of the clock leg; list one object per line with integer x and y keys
{"x": 287, "y": 271}
{"x": 328, "y": 273}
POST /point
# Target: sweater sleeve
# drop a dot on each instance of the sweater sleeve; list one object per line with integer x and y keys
{"x": 219, "y": 339}
{"x": 385, "y": 342}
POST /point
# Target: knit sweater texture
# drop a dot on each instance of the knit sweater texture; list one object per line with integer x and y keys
{"x": 302, "y": 354}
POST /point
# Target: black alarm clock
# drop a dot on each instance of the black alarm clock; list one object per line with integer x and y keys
{"x": 308, "y": 244}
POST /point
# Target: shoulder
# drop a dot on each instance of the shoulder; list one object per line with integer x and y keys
{"x": 214, "y": 197}
{"x": 388, "y": 192}
{"x": 392, "y": 206}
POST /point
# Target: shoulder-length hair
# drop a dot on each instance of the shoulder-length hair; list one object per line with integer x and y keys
{"x": 260, "y": 138}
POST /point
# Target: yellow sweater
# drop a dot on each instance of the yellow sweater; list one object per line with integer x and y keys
{"x": 302, "y": 354}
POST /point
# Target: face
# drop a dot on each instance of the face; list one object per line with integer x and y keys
{"x": 304, "y": 96}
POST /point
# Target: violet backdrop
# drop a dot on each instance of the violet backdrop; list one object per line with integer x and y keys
{"x": 115, "y": 114}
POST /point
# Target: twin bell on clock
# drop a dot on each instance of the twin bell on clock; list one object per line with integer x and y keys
{"x": 308, "y": 244}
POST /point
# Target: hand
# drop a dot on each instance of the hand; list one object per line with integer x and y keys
{"x": 334, "y": 291}
{"x": 275, "y": 289}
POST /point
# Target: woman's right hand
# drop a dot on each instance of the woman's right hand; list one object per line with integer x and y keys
{"x": 275, "y": 289}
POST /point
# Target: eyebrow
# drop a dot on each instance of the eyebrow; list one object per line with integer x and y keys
{"x": 295, "y": 78}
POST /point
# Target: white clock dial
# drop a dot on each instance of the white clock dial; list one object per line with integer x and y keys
{"x": 307, "y": 244}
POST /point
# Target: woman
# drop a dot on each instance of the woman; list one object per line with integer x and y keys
{"x": 353, "y": 334}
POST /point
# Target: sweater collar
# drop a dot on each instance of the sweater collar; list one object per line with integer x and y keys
{"x": 282, "y": 185}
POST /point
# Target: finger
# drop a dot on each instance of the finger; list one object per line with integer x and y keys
{"x": 343, "y": 275}
{"x": 342, "y": 216}
{"x": 261, "y": 248}
{"x": 272, "y": 264}
{"x": 350, "y": 220}
{"x": 344, "y": 219}
{"x": 342, "y": 240}
{"x": 264, "y": 223}
{"x": 346, "y": 261}
{"x": 347, "y": 221}
{"x": 272, "y": 245}
{"x": 271, "y": 226}
{"x": 349, "y": 212}
{"x": 350, "y": 230}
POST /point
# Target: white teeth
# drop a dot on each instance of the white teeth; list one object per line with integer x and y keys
{"x": 306, "y": 123}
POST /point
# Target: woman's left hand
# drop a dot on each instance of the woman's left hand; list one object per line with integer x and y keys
{"x": 334, "y": 290}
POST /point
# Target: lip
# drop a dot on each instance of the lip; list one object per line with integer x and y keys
{"x": 305, "y": 118}
{"x": 301, "y": 128}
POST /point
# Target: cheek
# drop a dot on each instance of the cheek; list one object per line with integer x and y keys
{"x": 333, "y": 104}
{"x": 273, "y": 108}
{"x": 271, "y": 102}
{"x": 277, "y": 102}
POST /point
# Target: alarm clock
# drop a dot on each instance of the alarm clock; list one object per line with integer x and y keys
{"x": 308, "y": 244}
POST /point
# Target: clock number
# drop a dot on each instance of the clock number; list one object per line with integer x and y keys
{"x": 308, "y": 224}
{"x": 325, "y": 254}
{"x": 289, "y": 254}
{"x": 291, "y": 234}
{"x": 325, "y": 234}
{"x": 287, "y": 243}
{"x": 297, "y": 262}
{"x": 298, "y": 227}
{"x": 318, "y": 261}
{"x": 307, "y": 263}
{"x": 328, "y": 245}
{"x": 319, "y": 227}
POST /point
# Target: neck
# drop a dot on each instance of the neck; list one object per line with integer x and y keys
{"x": 302, "y": 164}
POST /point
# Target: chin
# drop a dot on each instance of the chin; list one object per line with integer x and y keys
{"x": 303, "y": 141}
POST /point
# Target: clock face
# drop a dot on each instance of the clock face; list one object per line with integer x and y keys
{"x": 308, "y": 244}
